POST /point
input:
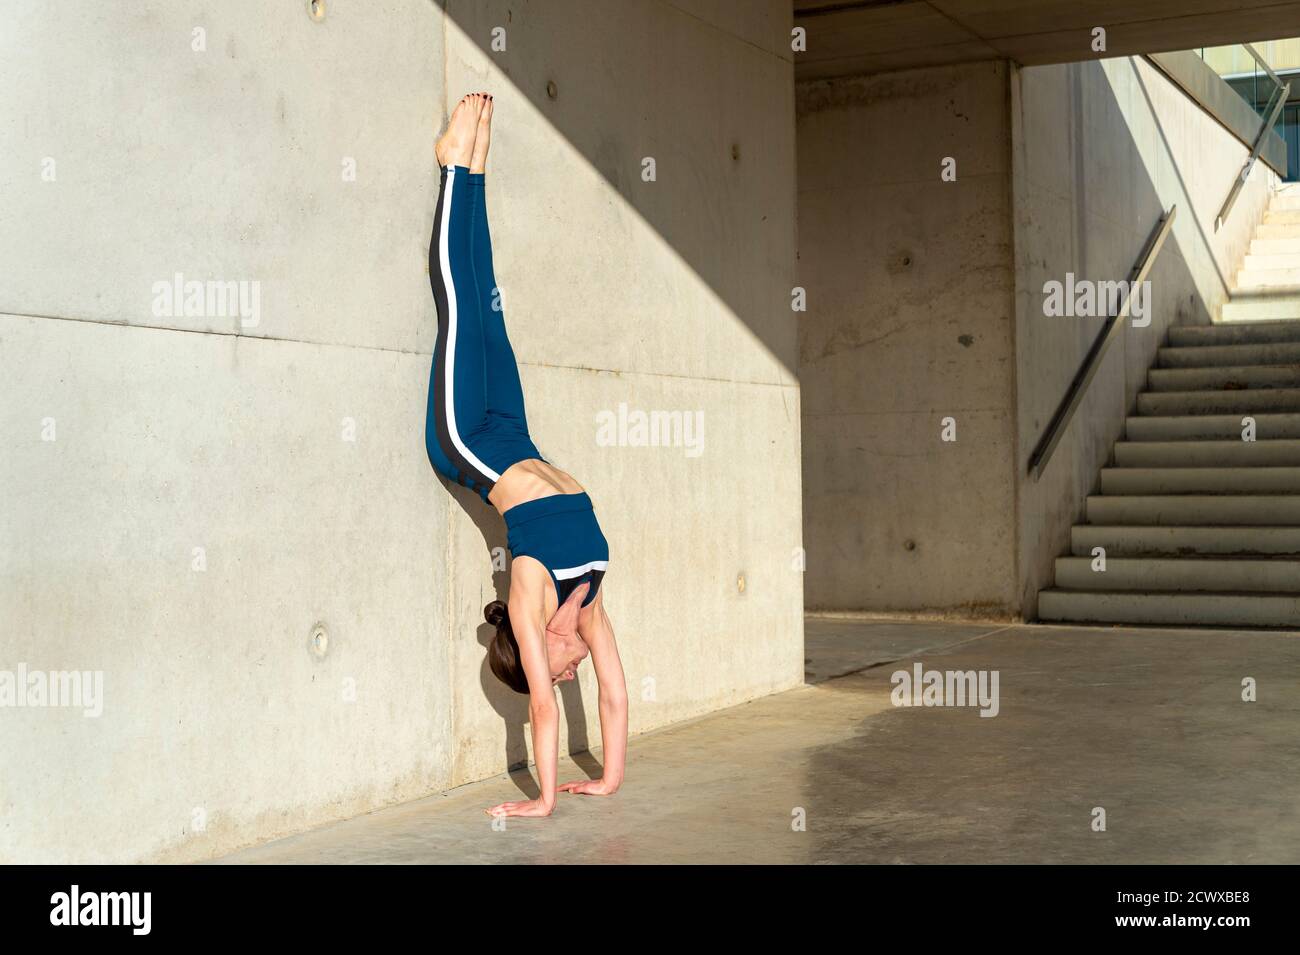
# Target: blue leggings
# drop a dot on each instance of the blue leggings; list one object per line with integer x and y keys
{"x": 475, "y": 427}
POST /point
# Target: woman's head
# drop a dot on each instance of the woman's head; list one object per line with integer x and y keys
{"x": 565, "y": 648}
{"x": 503, "y": 651}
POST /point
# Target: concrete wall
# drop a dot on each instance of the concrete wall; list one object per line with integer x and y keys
{"x": 926, "y": 300}
{"x": 291, "y": 452}
{"x": 1100, "y": 150}
{"x": 909, "y": 321}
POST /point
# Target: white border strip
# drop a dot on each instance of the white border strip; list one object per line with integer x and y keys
{"x": 568, "y": 573}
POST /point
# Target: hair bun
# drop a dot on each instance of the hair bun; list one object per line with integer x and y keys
{"x": 495, "y": 612}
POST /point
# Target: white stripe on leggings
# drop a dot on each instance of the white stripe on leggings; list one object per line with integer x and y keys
{"x": 444, "y": 261}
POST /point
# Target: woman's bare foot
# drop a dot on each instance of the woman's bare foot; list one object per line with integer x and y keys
{"x": 482, "y": 138}
{"x": 456, "y": 147}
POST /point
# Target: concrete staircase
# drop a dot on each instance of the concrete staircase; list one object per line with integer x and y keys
{"x": 1268, "y": 283}
{"x": 1200, "y": 527}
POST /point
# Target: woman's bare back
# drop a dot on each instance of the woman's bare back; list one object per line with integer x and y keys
{"x": 529, "y": 480}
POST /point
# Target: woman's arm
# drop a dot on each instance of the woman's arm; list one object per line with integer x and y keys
{"x": 527, "y": 619}
{"x": 598, "y": 633}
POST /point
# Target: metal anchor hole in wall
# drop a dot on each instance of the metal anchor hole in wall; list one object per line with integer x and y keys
{"x": 552, "y": 91}
{"x": 316, "y": 10}
{"x": 735, "y": 151}
{"x": 899, "y": 262}
{"x": 740, "y": 583}
{"x": 319, "y": 642}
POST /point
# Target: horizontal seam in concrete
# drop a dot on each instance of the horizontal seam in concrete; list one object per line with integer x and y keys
{"x": 917, "y": 653}
{"x": 382, "y": 348}
{"x": 993, "y": 56}
{"x": 992, "y": 42}
{"x": 900, "y": 616}
{"x": 1254, "y": 13}
{"x": 933, "y": 411}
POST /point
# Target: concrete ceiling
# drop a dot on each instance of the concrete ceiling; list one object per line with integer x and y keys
{"x": 846, "y": 37}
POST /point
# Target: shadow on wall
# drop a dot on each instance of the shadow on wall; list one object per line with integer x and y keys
{"x": 512, "y": 707}
{"x": 657, "y": 97}
{"x": 585, "y": 59}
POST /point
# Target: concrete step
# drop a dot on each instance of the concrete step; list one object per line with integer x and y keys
{"x": 1277, "y": 453}
{"x": 1281, "y": 215}
{"x": 1260, "y": 246}
{"x": 1278, "y": 230}
{"x": 1256, "y": 306}
{"x": 1269, "y": 263}
{"x": 1238, "y": 333}
{"x": 1191, "y": 609}
{"x": 1250, "y": 280}
{"x": 1182, "y": 574}
{"x": 1200, "y": 480}
{"x": 1282, "y": 201}
{"x": 1224, "y": 378}
{"x": 1149, "y": 540}
{"x": 1194, "y": 427}
{"x": 1271, "y": 510}
{"x": 1228, "y": 356}
{"x": 1245, "y": 401}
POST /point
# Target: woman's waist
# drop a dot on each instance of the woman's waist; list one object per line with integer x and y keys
{"x": 546, "y": 507}
{"x": 531, "y": 480}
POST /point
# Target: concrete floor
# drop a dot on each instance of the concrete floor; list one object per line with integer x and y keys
{"x": 1147, "y": 723}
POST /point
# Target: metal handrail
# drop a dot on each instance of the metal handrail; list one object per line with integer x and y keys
{"x": 1276, "y": 101}
{"x": 1277, "y": 80}
{"x": 1092, "y": 361}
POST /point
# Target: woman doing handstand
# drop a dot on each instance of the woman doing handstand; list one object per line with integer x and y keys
{"x": 476, "y": 434}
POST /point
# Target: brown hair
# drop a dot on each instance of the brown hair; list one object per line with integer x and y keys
{"x": 503, "y": 651}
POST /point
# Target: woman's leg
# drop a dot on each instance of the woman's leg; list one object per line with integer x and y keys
{"x": 458, "y": 397}
{"x": 505, "y": 394}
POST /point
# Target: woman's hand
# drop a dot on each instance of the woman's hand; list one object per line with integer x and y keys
{"x": 528, "y": 807}
{"x": 589, "y": 787}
